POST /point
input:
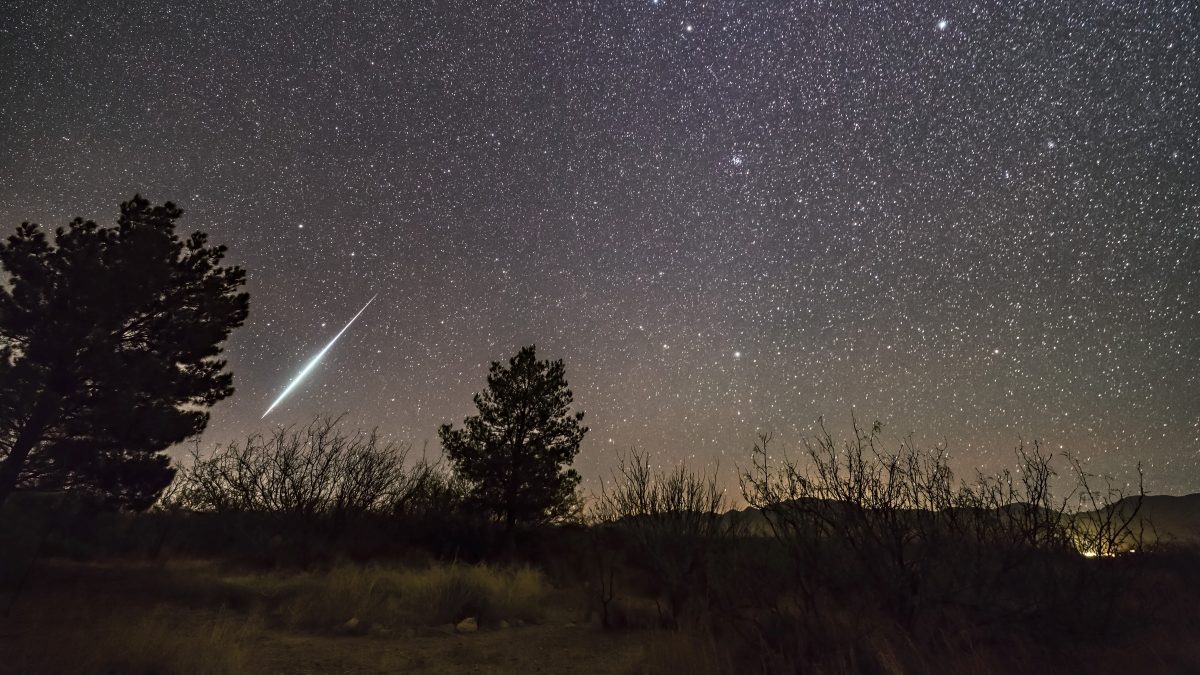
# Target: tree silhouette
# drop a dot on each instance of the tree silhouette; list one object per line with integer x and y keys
{"x": 514, "y": 453}
{"x": 109, "y": 346}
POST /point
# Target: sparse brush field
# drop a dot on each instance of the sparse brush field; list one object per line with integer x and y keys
{"x": 861, "y": 562}
{"x": 198, "y": 616}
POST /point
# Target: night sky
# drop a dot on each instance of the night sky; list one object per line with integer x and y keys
{"x": 977, "y": 222}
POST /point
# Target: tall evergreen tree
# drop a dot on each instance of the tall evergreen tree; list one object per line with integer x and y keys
{"x": 110, "y": 340}
{"x": 514, "y": 454}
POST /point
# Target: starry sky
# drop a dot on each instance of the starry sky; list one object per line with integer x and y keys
{"x": 977, "y": 222}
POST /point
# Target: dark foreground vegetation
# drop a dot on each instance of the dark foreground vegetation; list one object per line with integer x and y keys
{"x": 319, "y": 549}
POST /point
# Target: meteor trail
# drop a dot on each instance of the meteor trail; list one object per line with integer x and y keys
{"x": 315, "y": 360}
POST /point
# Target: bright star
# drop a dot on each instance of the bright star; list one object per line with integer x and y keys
{"x": 943, "y": 24}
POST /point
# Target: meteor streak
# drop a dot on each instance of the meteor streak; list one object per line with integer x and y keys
{"x": 315, "y": 360}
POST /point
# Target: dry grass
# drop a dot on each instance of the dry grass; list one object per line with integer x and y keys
{"x": 193, "y": 617}
{"x": 390, "y": 597}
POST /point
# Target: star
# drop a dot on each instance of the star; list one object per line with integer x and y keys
{"x": 636, "y": 208}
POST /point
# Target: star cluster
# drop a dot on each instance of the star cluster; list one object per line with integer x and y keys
{"x": 977, "y": 222}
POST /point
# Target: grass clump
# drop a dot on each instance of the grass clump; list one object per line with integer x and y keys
{"x": 450, "y": 593}
{"x": 395, "y": 597}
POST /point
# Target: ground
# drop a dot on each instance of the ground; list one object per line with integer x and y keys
{"x": 140, "y": 618}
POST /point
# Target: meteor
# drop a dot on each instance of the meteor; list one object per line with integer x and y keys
{"x": 315, "y": 360}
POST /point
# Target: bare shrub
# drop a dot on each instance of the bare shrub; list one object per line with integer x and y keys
{"x": 896, "y": 534}
{"x": 1107, "y": 521}
{"x": 317, "y": 470}
{"x": 673, "y": 521}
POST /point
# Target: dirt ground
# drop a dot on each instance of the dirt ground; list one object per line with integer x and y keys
{"x": 528, "y": 649}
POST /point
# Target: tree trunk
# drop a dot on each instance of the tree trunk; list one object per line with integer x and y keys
{"x": 27, "y": 439}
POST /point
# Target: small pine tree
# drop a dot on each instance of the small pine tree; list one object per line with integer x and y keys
{"x": 110, "y": 339}
{"x": 515, "y": 453}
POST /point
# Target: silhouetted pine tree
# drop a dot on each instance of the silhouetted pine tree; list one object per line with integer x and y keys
{"x": 109, "y": 346}
{"x": 514, "y": 454}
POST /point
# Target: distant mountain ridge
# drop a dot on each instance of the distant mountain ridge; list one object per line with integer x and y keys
{"x": 1174, "y": 519}
{"x": 1166, "y": 518}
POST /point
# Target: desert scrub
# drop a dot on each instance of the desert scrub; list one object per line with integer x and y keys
{"x": 392, "y": 597}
